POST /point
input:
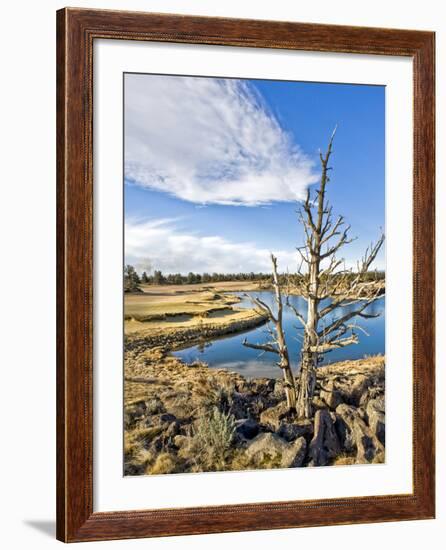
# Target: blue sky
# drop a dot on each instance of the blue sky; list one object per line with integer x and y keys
{"x": 215, "y": 169}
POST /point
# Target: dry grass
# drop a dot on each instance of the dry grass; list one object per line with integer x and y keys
{"x": 145, "y": 457}
{"x": 177, "y": 300}
{"x": 172, "y": 290}
{"x": 366, "y": 365}
{"x": 137, "y": 439}
{"x": 143, "y": 308}
{"x": 179, "y": 303}
{"x": 344, "y": 460}
{"x": 165, "y": 463}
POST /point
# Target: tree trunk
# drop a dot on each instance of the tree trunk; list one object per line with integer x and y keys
{"x": 290, "y": 388}
{"x": 289, "y": 382}
{"x": 307, "y": 384}
{"x": 278, "y": 345}
{"x": 324, "y": 278}
{"x": 309, "y": 358}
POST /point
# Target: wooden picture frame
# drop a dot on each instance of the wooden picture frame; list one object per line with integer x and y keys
{"x": 76, "y": 31}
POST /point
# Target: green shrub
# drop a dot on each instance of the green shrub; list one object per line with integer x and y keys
{"x": 213, "y": 437}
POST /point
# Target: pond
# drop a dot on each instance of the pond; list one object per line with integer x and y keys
{"x": 229, "y": 352}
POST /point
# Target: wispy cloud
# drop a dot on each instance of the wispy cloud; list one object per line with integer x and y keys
{"x": 165, "y": 244}
{"x": 209, "y": 141}
{"x": 161, "y": 244}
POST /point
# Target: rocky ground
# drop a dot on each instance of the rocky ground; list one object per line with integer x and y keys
{"x": 189, "y": 418}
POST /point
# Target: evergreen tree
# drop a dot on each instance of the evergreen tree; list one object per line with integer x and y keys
{"x": 131, "y": 279}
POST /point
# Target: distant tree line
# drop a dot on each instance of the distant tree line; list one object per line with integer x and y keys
{"x": 346, "y": 276}
{"x": 132, "y": 280}
{"x": 159, "y": 278}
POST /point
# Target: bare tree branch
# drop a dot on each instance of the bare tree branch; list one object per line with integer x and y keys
{"x": 336, "y": 344}
{"x": 295, "y": 311}
{"x": 359, "y": 312}
{"x": 262, "y": 306}
{"x": 261, "y": 347}
{"x": 279, "y": 345}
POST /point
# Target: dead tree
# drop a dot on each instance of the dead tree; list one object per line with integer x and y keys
{"x": 277, "y": 344}
{"x": 321, "y": 276}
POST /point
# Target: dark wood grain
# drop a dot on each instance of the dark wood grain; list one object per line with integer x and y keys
{"x": 76, "y": 31}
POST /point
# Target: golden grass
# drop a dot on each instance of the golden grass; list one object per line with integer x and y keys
{"x": 344, "y": 460}
{"x": 180, "y": 300}
{"x": 145, "y": 307}
{"x": 135, "y": 440}
{"x": 228, "y": 317}
{"x": 165, "y": 463}
{"x": 351, "y": 367}
{"x": 228, "y": 286}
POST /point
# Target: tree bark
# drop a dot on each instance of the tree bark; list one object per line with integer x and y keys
{"x": 307, "y": 384}
{"x": 320, "y": 283}
{"x": 323, "y": 278}
{"x": 279, "y": 345}
{"x": 285, "y": 365}
{"x": 315, "y": 233}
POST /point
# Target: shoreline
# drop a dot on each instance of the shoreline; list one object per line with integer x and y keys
{"x": 177, "y": 338}
{"x": 187, "y": 417}
{"x": 194, "y": 322}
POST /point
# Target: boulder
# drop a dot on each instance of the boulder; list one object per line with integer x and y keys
{"x": 352, "y": 389}
{"x": 131, "y": 469}
{"x": 167, "y": 418}
{"x": 263, "y": 386}
{"x": 325, "y": 443}
{"x": 330, "y": 396}
{"x": 238, "y": 405}
{"x": 356, "y": 436}
{"x": 134, "y": 413}
{"x": 285, "y": 424}
{"x": 157, "y": 444}
{"x": 295, "y": 456}
{"x": 318, "y": 403}
{"x": 273, "y": 416}
{"x": 375, "y": 411}
{"x": 268, "y": 450}
{"x": 357, "y": 387}
{"x": 247, "y": 428}
{"x": 372, "y": 392}
{"x": 290, "y": 431}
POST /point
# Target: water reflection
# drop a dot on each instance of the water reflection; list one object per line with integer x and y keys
{"x": 229, "y": 353}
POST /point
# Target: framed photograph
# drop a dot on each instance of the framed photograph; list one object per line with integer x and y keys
{"x": 245, "y": 275}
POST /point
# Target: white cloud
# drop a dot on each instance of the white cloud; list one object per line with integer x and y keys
{"x": 209, "y": 141}
{"x": 160, "y": 244}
